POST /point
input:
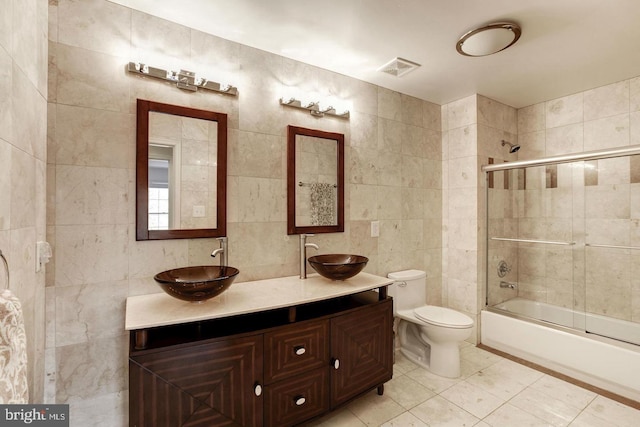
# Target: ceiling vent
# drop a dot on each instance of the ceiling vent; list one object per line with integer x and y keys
{"x": 398, "y": 67}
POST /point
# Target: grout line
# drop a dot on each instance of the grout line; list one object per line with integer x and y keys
{"x": 605, "y": 393}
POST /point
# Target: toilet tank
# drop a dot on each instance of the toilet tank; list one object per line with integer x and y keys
{"x": 409, "y": 289}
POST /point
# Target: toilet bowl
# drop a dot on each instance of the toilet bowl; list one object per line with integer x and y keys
{"x": 429, "y": 336}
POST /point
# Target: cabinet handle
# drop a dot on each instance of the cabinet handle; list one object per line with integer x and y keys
{"x": 335, "y": 363}
{"x": 300, "y": 400}
{"x": 300, "y": 350}
{"x": 257, "y": 389}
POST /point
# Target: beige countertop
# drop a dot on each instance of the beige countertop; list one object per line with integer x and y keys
{"x": 147, "y": 311}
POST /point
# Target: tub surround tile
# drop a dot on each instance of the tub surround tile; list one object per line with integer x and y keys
{"x": 607, "y": 101}
{"x": 564, "y": 111}
{"x": 531, "y": 119}
{"x": 609, "y": 132}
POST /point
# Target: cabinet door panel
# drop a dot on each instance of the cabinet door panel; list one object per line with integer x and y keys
{"x": 294, "y": 400}
{"x": 363, "y": 343}
{"x": 209, "y": 384}
{"x": 282, "y": 346}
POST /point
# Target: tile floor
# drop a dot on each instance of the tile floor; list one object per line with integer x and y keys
{"x": 492, "y": 391}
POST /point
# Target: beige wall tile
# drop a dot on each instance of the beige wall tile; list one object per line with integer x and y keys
{"x": 91, "y": 79}
{"x": 564, "y": 111}
{"x": 462, "y": 113}
{"x": 87, "y": 254}
{"x": 91, "y": 369}
{"x": 565, "y": 140}
{"x": 606, "y": 101}
{"x": 101, "y": 314}
{"x": 111, "y": 34}
{"x": 606, "y": 133}
{"x": 531, "y": 119}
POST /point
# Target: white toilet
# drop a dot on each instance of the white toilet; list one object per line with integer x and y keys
{"x": 429, "y": 335}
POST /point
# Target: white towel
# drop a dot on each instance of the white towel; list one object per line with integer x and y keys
{"x": 14, "y": 386}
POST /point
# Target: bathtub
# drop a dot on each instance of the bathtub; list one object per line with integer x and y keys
{"x": 606, "y": 363}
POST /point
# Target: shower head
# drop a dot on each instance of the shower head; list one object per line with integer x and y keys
{"x": 512, "y": 147}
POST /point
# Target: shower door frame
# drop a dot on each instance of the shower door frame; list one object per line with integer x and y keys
{"x": 553, "y": 160}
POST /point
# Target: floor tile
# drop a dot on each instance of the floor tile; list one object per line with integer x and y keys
{"x": 439, "y": 412}
{"x": 340, "y": 418}
{"x": 407, "y": 392}
{"x": 570, "y": 394}
{"x": 407, "y": 419}
{"x": 472, "y": 399}
{"x": 548, "y": 408}
{"x": 509, "y": 415}
{"x": 374, "y": 410}
{"x": 402, "y": 365}
{"x": 616, "y": 414}
{"x": 505, "y": 380}
{"x": 435, "y": 383}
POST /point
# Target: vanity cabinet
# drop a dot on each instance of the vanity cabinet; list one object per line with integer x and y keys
{"x": 277, "y": 368}
{"x": 208, "y": 384}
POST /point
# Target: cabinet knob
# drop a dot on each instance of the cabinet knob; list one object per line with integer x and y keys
{"x": 300, "y": 350}
{"x": 300, "y": 400}
{"x": 257, "y": 389}
{"x": 335, "y": 363}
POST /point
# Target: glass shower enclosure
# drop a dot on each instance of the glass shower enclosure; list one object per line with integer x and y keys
{"x": 563, "y": 241}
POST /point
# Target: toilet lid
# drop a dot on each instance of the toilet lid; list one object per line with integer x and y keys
{"x": 441, "y": 316}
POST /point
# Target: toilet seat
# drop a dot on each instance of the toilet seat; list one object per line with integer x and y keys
{"x": 442, "y": 316}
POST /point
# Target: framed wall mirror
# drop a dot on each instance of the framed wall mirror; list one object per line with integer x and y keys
{"x": 181, "y": 172}
{"x": 315, "y": 181}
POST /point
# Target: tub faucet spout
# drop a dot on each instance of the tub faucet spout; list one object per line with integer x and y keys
{"x": 508, "y": 285}
{"x": 222, "y": 250}
{"x": 303, "y": 253}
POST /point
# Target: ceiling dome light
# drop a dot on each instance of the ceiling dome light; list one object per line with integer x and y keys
{"x": 489, "y": 39}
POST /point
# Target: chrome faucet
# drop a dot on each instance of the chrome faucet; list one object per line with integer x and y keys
{"x": 221, "y": 250}
{"x": 303, "y": 253}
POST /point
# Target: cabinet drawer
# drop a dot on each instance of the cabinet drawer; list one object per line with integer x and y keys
{"x": 295, "y": 348}
{"x": 296, "y": 399}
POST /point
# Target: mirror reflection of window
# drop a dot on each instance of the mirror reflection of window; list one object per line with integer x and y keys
{"x": 162, "y": 171}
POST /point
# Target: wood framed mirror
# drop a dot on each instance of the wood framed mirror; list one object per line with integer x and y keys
{"x": 315, "y": 181}
{"x": 181, "y": 172}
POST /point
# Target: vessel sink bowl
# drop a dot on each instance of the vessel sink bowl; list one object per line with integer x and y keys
{"x": 196, "y": 284}
{"x": 338, "y": 266}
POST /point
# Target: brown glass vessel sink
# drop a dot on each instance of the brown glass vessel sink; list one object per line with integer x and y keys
{"x": 338, "y": 266}
{"x": 196, "y": 283}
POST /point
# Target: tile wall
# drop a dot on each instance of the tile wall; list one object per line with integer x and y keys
{"x": 393, "y": 159}
{"x": 473, "y": 129}
{"x": 23, "y": 156}
{"x": 595, "y": 202}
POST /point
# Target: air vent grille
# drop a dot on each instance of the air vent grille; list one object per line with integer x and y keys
{"x": 398, "y": 67}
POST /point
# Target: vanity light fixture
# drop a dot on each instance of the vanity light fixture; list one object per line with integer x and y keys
{"x": 183, "y": 79}
{"x": 488, "y": 39}
{"x": 315, "y": 108}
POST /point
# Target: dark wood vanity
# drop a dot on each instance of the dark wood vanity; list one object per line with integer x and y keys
{"x": 278, "y": 367}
